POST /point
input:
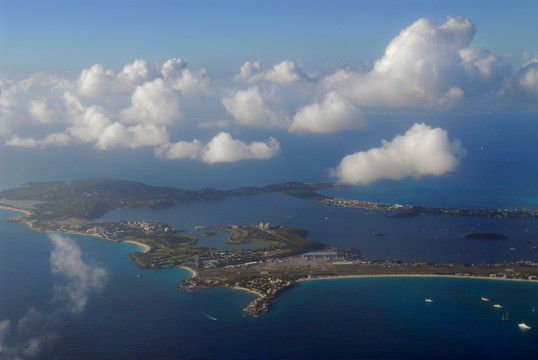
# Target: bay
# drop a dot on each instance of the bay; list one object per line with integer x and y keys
{"x": 431, "y": 238}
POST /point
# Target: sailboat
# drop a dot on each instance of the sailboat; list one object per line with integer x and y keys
{"x": 506, "y": 316}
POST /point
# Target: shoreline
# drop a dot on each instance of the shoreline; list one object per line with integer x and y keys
{"x": 145, "y": 246}
{"x": 321, "y": 278}
{"x": 413, "y": 276}
{"x": 193, "y": 272}
{"x": 7, "y": 207}
{"x": 260, "y": 295}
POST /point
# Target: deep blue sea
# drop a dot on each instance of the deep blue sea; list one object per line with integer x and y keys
{"x": 139, "y": 314}
{"x": 79, "y": 297}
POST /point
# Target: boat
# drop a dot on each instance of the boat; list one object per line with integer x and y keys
{"x": 506, "y": 316}
{"x": 428, "y": 300}
{"x": 485, "y": 298}
{"x": 524, "y": 326}
{"x": 533, "y": 308}
{"x": 498, "y": 306}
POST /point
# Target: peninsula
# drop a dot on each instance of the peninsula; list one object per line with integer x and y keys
{"x": 283, "y": 255}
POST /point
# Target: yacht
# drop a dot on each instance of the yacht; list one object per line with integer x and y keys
{"x": 485, "y": 298}
{"x": 524, "y": 326}
{"x": 498, "y": 306}
{"x": 428, "y": 300}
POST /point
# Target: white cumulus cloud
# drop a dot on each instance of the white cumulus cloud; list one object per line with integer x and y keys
{"x": 40, "y": 110}
{"x": 92, "y": 125}
{"x": 335, "y": 113}
{"x": 56, "y": 139}
{"x": 153, "y": 103}
{"x": 180, "y": 150}
{"x": 221, "y": 148}
{"x": 248, "y": 107}
{"x": 421, "y": 151}
{"x": 527, "y": 78}
{"x": 248, "y": 70}
{"x": 285, "y": 72}
{"x": 98, "y": 81}
{"x": 30, "y": 100}
{"x": 118, "y": 135}
{"x": 426, "y": 66}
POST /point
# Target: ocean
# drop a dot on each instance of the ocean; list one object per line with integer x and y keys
{"x": 139, "y": 313}
{"x": 79, "y": 297}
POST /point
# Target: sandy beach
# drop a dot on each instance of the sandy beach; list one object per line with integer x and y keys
{"x": 193, "y": 272}
{"x": 248, "y": 290}
{"x": 410, "y": 275}
{"x": 145, "y": 246}
{"x": 7, "y": 207}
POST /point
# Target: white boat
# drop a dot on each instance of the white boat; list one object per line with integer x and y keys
{"x": 498, "y": 306}
{"x": 485, "y": 298}
{"x": 428, "y": 300}
{"x": 524, "y": 326}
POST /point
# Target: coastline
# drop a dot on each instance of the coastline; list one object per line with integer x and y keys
{"x": 145, "y": 246}
{"x": 411, "y": 275}
{"x": 193, "y": 272}
{"x": 7, "y": 207}
{"x": 260, "y": 295}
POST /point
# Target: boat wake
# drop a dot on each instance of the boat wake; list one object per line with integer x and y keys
{"x": 208, "y": 316}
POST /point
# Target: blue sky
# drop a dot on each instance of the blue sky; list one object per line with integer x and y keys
{"x": 214, "y": 83}
{"x": 68, "y": 35}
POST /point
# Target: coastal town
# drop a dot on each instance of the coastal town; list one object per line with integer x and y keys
{"x": 399, "y": 210}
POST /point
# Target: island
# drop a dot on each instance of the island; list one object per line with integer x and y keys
{"x": 282, "y": 256}
{"x": 87, "y": 199}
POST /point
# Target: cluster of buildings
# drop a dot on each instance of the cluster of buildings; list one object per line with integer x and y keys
{"x": 366, "y": 204}
{"x": 115, "y": 230}
{"x": 267, "y": 288}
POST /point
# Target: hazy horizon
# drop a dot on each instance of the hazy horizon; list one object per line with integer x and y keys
{"x": 232, "y": 93}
